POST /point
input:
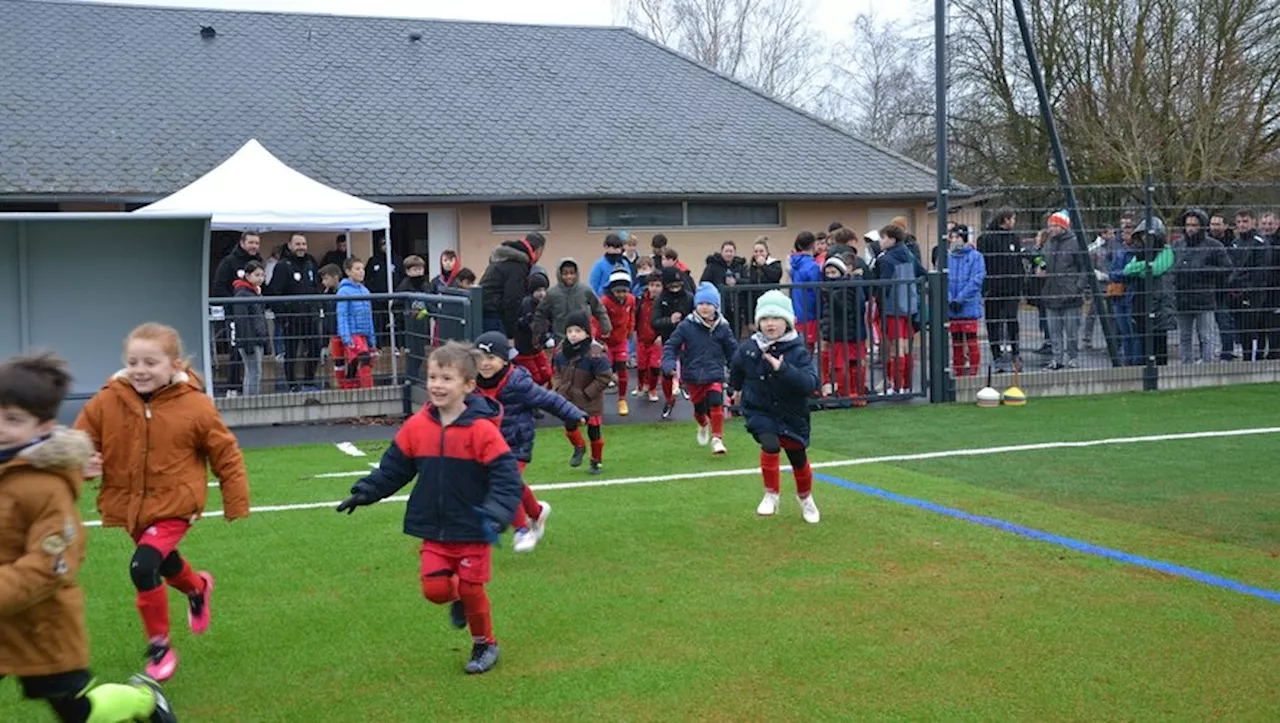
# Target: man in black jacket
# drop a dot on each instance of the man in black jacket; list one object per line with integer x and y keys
{"x": 504, "y": 281}
{"x": 1001, "y": 249}
{"x": 1251, "y": 259}
{"x": 1200, "y": 266}
{"x": 298, "y": 274}
{"x": 1270, "y": 227}
{"x": 230, "y": 268}
{"x": 338, "y": 255}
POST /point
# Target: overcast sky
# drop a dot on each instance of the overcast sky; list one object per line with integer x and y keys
{"x": 829, "y": 16}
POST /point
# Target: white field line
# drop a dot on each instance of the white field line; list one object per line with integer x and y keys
{"x": 975, "y": 452}
{"x": 349, "y": 449}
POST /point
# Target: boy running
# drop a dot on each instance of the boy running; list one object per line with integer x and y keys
{"x": 621, "y": 307}
{"x": 704, "y": 344}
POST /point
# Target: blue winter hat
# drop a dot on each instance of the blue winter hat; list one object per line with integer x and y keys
{"x": 707, "y": 293}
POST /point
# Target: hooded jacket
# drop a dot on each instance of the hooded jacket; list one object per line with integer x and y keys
{"x": 229, "y": 269}
{"x": 702, "y": 348}
{"x": 463, "y": 466}
{"x": 775, "y": 402}
{"x": 355, "y": 317}
{"x": 1200, "y": 267}
{"x": 503, "y": 283}
{"x": 445, "y": 281}
{"x": 898, "y": 264}
{"x": 967, "y": 270}
{"x": 582, "y": 378}
{"x": 804, "y": 268}
{"x": 1002, "y": 255}
{"x": 561, "y": 301}
{"x": 248, "y": 320}
{"x": 514, "y": 389}
{"x": 605, "y": 265}
{"x": 42, "y": 545}
{"x": 156, "y": 453}
{"x": 717, "y": 271}
{"x": 844, "y": 319}
{"x": 1067, "y": 278}
{"x": 669, "y": 303}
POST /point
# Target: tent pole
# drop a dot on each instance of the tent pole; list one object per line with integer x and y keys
{"x": 391, "y": 317}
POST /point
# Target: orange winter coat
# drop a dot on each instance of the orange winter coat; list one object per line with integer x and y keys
{"x": 156, "y": 454}
{"x": 41, "y": 548}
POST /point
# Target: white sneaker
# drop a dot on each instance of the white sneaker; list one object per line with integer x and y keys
{"x": 717, "y": 446}
{"x": 704, "y": 435}
{"x": 524, "y": 540}
{"x": 635, "y": 392}
{"x": 769, "y": 505}
{"x": 809, "y": 509}
{"x": 827, "y": 390}
{"x": 539, "y": 525}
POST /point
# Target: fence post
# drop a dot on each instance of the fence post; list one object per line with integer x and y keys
{"x": 942, "y": 387}
{"x": 1151, "y": 372}
{"x": 473, "y": 319}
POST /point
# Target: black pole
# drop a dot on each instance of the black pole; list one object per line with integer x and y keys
{"x": 942, "y": 386}
{"x": 1150, "y": 373}
{"x": 1068, "y": 188}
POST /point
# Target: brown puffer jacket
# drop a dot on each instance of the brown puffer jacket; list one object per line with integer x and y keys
{"x": 583, "y": 379}
{"x": 156, "y": 454}
{"x": 41, "y": 547}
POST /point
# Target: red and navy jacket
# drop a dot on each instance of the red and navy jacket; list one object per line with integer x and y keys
{"x": 514, "y": 389}
{"x": 459, "y": 467}
{"x": 645, "y": 333}
{"x": 622, "y": 317}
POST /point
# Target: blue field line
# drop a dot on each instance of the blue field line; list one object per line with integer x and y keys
{"x": 1078, "y": 545}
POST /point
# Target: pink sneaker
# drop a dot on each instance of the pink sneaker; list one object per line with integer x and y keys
{"x": 198, "y": 612}
{"x": 162, "y": 661}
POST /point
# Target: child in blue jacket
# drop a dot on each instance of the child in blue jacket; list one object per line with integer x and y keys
{"x": 703, "y": 343}
{"x": 966, "y": 272}
{"x": 513, "y": 387}
{"x": 774, "y": 375}
{"x": 468, "y": 490}
{"x": 355, "y": 328}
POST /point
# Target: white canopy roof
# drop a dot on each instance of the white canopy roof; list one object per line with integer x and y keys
{"x": 254, "y": 191}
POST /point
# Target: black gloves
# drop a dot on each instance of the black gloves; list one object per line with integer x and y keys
{"x": 357, "y": 499}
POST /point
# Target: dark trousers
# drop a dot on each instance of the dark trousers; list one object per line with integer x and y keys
{"x": 301, "y": 343}
{"x": 1251, "y": 330}
{"x": 1002, "y": 324}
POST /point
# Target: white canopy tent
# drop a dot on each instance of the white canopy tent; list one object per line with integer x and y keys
{"x": 255, "y": 191}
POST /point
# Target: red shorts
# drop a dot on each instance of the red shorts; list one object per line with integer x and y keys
{"x": 649, "y": 356}
{"x": 698, "y": 392}
{"x": 964, "y": 326}
{"x": 164, "y": 535}
{"x": 619, "y": 352}
{"x": 898, "y": 327}
{"x": 809, "y": 331}
{"x": 337, "y": 352}
{"x": 470, "y": 561}
{"x": 596, "y": 421}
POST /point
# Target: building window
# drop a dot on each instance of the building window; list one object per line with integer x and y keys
{"x": 635, "y": 215}
{"x": 523, "y": 217}
{"x": 735, "y": 214}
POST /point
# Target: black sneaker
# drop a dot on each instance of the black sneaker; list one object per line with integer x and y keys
{"x": 1053, "y": 366}
{"x": 578, "y": 454}
{"x": 666, "y": 410}
{"x": 595, "y": 468}
{"x": 483, "y": 657}
{"x": 457, "y": 614}
{"x": 163, "y": 712}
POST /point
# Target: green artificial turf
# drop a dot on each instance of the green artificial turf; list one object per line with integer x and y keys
{"x": 671, "y": 601}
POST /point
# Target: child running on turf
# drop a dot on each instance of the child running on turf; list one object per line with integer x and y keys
{"x": 581, "y": 376}
{"x": 158, "y": 433}
{"x": 648, "y": 346}
{"x": 620, "y": 305}
{"x": 468, "y": 489}
{"x": 703, "y": 343}
{"x": 42, "y": 545}
{"x": 774, "y": 376}
{"x": 672, "y": 306}
{"x": 513, "y": 388}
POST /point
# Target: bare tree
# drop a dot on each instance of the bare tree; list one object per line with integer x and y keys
{"x": 766, "y": 43}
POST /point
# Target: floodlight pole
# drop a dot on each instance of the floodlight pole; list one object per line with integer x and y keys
{"x": 941, "y": 384}
{"x": 1068, "y": 188}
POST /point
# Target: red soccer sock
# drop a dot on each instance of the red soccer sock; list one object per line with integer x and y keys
{"x": 769, "y": 468}
{"x": 717, "y": 421}
{"x": 597, "y": 450}
{"x": 153, "y": 606}
{"x": 655, "y": 378}
{"x": 623, "y": 379}
{"x": 575, "y": 437}
{"x": 824, "y": 366}
{"x": 529, "y": 504}
{"x": 667, "y": 389}
{"x": 975, "y": 355}
{"x": 642, "y": 381}
{"x": 479, "y": 615}
{"x": 908, "y": 367}
{"x": 804, "y": 480}
{"x": 186, "y": 581}
{"x": 519, "y": 520}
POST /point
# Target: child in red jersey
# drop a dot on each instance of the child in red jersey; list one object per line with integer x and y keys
{"x": 621, "y": 307}
{"x": 648, "y": 345}
{"x": 468, "y": 489}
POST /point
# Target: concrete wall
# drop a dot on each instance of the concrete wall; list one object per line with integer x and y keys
{"x": 77, "y": 285}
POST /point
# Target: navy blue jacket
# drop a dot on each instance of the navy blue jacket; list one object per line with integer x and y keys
{"x": 519, "y": 396}
{"x": 666, "y": 305}
{"x": 459, "y": 467}
{"x": 703, "y": 350}
{"x": 902, "y": 298}
{"x": 844, "y": 315}
{"x": 775, "y": 402}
